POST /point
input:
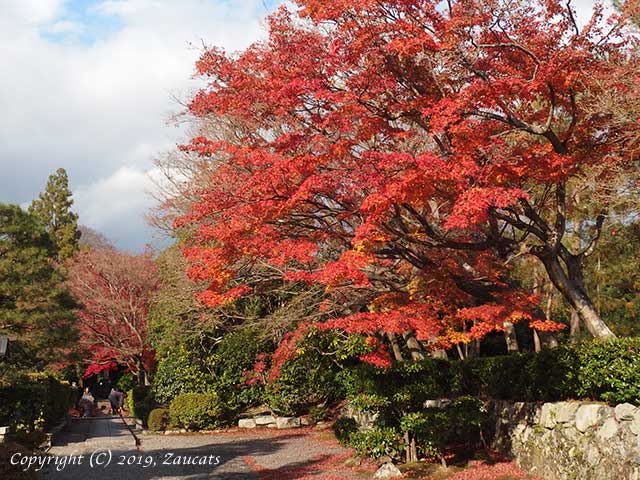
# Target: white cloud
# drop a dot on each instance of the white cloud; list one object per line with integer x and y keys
{"x": 91, "y": 92}
{"x": 118, "y": 204}
{"x": 66, "y": 27}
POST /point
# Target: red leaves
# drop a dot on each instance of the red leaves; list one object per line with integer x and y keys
{"x": 387, "y": 153}
{"x": 472, "y": 207}
{"x": 96, "y": 368}
{"x": 114, "y": 289}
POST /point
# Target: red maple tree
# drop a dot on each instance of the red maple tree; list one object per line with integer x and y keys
{"x": 114, "y": 290}
{"x": 406, "y": 151}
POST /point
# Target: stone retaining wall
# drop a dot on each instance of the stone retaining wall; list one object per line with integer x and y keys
{"x": 569, "y": 440}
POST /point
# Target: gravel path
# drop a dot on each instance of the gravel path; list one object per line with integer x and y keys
{"x": 235, "y": 455}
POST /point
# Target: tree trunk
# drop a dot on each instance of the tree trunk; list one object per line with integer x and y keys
{"x": 570, "y": 285}
{"x": 510, "y": 337}
{"x": 142, "y": 375}
{"x": 416, "y": 350}
{"x": 414, "y": 449}
{"x": 536, "y": 341}
{"x": 574, "y": 325}
{"x": 395, "y": 347}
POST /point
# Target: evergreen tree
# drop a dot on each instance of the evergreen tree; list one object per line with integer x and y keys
{"x": 34, "y": 305}
{"x": 53, "y": 210}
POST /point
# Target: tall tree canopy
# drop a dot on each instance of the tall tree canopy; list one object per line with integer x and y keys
{"x": 114, "y": 289}
{"x": 53, "y": 209}
{"x": 405, "y": 152}
{"x": 34, "y": 304}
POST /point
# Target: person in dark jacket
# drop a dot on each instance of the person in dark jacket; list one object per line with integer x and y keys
{"x": 115, "y": 399}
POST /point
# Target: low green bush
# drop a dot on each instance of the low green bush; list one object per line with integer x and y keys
{"x": 33, "y": 402}
{"x": 317, "y": 414}
{"x": 459, "y": 423}
{"x": 343, "y": 428}
{"x": 158, "y": 419}
{"x": 377, "y": 442}
{"x": 140, "y": 401}
{"x": 309, "y": 377}
{"x": 234, "y": 356}
{"x": 196, "y": 411}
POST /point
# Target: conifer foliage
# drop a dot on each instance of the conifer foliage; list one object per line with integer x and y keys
{"x": 53, "y": 209}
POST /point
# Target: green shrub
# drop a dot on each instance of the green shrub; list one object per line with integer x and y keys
{"x": 597, "y": 370}
{"x": 609, "y": 370}
{"x": 235, "y": 355}
{"x": 317, "y": 414}
{"x": 196, "y": 411}
{"x": 158, "y": 419}
{"x": 309, "y": 377}
{"x": 33, "y": 402}
{"x": 459, "y": 424}
{"x": 377, "y": 442}
{"x": 140, "y": 401}
{"x": 343, "y": 428}
{"x": 179, "y": 372}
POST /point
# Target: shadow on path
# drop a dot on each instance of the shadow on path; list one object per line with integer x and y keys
{"x": 185, "y": 457}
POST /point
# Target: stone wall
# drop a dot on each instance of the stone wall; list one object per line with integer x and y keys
{"x": 569, "y": 440}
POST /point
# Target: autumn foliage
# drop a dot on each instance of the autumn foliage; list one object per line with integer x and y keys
{"x": 113, "y": 289}
{"x": 403, "y": 153}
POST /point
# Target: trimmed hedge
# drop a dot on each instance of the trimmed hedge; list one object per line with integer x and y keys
{"x": 34, "y": 401}
{"x": 595, "y": 370}
{"x": 158, "y": 419}
{"x": 196, "y": 411}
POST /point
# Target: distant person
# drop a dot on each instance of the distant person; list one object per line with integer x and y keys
{"x": 115, "y": 399}
{"x": 87, "y": 404}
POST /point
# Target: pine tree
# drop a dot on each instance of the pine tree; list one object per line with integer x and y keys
{"x": 53, "y": 210}
{"x": 34, "y": 303}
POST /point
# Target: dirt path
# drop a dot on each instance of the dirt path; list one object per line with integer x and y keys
{"x": 233, "y": 455}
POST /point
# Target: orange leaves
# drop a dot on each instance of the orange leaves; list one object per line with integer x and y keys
{"x": 547, "y": 326}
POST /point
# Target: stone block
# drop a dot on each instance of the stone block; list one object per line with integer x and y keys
{"x": 247, "y": 423}
{"x": 388, "y": 470}
{"x": 625, "y": 411}
{"x": 565, "y": 412}
{"x": 287, "y": 422}
{"x": 587, "y": 416}
{"x": 608, "y": 430}
{"x": 635, "y": 423}
{"x": 262, "y": 420}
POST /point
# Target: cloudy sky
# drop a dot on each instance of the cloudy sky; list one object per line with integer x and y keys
{"x": 88, "y": 85}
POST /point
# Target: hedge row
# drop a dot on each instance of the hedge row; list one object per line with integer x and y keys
{"x": 33, "y": 402}
{"x": 596, "y": 370}
{"x": 191, "y": 411}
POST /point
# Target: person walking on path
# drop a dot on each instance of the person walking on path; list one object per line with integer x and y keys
{"x": 87, "y": 405}
{"x": 115, "y": 399}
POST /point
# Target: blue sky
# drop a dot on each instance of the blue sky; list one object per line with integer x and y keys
{"x": 81, "y": 21}
{"x": 89, "y": 85}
